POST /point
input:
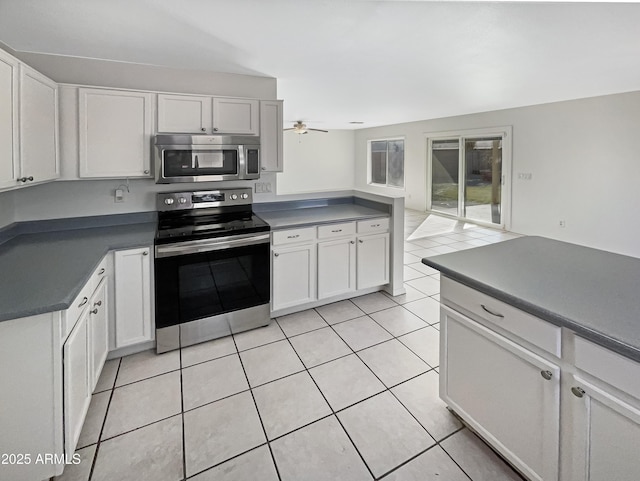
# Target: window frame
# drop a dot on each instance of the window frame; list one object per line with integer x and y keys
{"x": 370, "y": 166}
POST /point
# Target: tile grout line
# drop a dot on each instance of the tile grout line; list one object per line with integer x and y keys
{"x": 184, "y": 442}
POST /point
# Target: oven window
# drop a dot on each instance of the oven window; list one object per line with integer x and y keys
{"x": 178, "y": 163}
{"x": 197, "y": 286}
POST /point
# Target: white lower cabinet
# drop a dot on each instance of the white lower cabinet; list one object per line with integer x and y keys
{"x": 76, "y": 355}
{"x": 373, "y": 260}
{"x": 606, "y": 434}
{"x": 336, "y": 267}
{"x": 133, "y": 312}
{"x": 98, "y": 331}
{"x": 293, "y": 275}
{"x": 508, "y": 394}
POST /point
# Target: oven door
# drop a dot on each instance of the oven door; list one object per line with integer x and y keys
{"x": 205, "y": 278}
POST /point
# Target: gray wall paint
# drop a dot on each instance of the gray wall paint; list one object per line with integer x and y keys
{"x": 7, "y": 209}
{"x": 104, "y": 73}
{"x": 583, "y": 156}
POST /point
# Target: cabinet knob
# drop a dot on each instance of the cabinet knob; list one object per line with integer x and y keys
{"x": 361, "y": 241}
{"x": 146, "y": 171}
{"x": 353, "y": 242}
{"x": 546, "y": 374}
{"x": 30, "y": 178}
{"x": 276, "y": 254}
{"x": 264, "y": 168}
{"x": 577, "y": 391}
{"x": 203, "y": 129}
{"x": 95, "y": 311}
{"x": 99, "y": 303}
{"x": 145, "y": 253}
{"x": 22, "y": 179}
{"x": 215, "y": 129}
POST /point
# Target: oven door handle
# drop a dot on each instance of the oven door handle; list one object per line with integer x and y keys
{"x": 206, "y": 245}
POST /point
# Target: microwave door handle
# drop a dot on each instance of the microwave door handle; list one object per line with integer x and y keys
{"x": 242, "y": 166}
{"x": 194, "y": 162}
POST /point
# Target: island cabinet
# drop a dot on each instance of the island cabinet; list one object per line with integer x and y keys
{"x": 325, "y": 263}
{"x": 555, "y": 405}
{"x": 197, "y": 114}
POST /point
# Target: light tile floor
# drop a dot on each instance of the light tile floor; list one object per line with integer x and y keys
{"x": 347, "y": 391}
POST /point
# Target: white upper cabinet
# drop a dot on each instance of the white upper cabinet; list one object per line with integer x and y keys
{"x": 235, "y": 116}
{"x": 195, "y": 114}
{"x": 8, "y": 120}
{"x": 115, "y": 129}
{"x": 271, "y": 141}
{"x": 38, "y": 155}
{"x": 184, "y": 114}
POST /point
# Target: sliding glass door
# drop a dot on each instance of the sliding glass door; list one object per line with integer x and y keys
{"x": 466, "y": 177}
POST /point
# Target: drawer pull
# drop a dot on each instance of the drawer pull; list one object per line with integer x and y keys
{"x": 546, "y": 374}
{"x": 375, "y": 225}
{"x": 337, "y": 230}
{"x": 84, "y": 301}
{"x": 492, "y": 313}
{"x": 577, "y": 391}
{"x": 95, "y": 311}
{"x": 293, "y": 236}
{"x": 99, "y": 303}
{"x": 101, "y": 271}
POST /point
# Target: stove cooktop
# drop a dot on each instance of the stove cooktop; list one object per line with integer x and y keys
{"x": 207, "y": 226}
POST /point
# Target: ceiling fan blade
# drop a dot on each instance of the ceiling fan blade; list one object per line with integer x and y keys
{"x": 319, "y": 130}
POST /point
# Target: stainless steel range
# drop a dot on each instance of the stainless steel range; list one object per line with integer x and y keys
{"x": 212, "y": 274}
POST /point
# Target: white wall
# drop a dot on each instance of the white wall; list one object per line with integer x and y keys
{"x": 584, "y": 157}
{"x": 317, "y": 162}
{"x": 7, "y": 209}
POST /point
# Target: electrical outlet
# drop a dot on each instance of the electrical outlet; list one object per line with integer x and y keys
{"x": 118, "y": 195}
{"x": 525, "y": 175}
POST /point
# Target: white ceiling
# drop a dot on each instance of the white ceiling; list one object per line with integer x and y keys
{"x": 380, "y": 62}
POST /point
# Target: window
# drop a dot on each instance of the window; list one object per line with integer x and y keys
{"x": 386, "y": 162}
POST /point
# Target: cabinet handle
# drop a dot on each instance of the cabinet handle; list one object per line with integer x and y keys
{"x": 492, "y": 313}
{"x": 275, "y": 254}
{"x": 30, "y": 178}
{"x": 101, "y": 271}
{"x": 546, "y": 374}
{"x": 293, "y": 236}
{"x": 264, "y": 168}
{"x": 375, "y": 225}
{"x": 99, "y": 303}
{"x": 145, "y": 253}
{"x": 84, "y": 301}
{"x": 577, "y": 391}
{"x": 352, "y": 242}
{"x": 215, "y": 129}
{"x": 146, "y": 171}
{"x": 337, "y": 230}
{"x": 95, "y": 311}
{"x": 22, "y": 179}
{"x": 361, "y": 241}
{"x": 203, "y": 129}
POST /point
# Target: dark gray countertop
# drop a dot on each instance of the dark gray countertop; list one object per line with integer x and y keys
{"x": 44, "y": 272}
{"x": 592, "y": 292}
{"x": 280, "y": 219}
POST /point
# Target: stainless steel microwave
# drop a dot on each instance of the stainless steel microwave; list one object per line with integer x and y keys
{"x": 206, "y": 158}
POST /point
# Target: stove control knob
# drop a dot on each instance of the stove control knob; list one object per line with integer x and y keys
{"x": 168, "y": 201}
{"x": 182, "y": 200}
{"x": 245, "y": 196}
{"x": 233, "y": 196}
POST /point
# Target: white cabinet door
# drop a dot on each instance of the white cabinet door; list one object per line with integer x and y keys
{"x": 508, "y": 394}
{"x": 115, "y": 129}
{"x": 132, "y": 272}
{"x": 373, "y": 260}
{"x": 605, "y": 434}
{"x": 271, "y": 141}
{"x": 38, "y": 127}
{"x": 294, "y": 276}
{"x": 235, "y": 116}
{"x": 77, "y": 392}
{"x": 184, "y": 114}
{"x": 336, "y": 267}
{"x": 8, "y": 121}
{"x": 98, "y": 331}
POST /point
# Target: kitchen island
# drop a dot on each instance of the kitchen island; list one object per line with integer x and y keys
{"x": 539, "y": 354}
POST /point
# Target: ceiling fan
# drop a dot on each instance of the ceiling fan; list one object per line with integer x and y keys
{"x": 300, "y": 128}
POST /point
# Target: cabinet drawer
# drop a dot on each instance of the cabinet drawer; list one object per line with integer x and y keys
{"x": 536, "y": 331}
{"x": 371, "y": 226}
{"x": 612, "y": 368}
{"x": 293, "y": 236}
{"x": 336, "y": 230}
